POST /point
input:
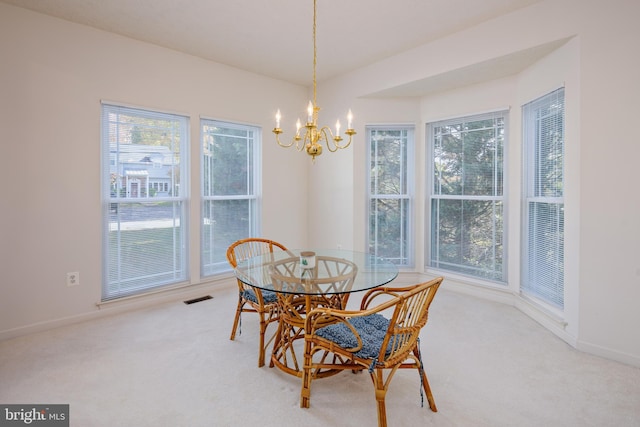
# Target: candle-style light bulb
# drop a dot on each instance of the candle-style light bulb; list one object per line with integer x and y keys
{"x": 310, "y": 112}
{"x": 349, "y": 119}
{"x": 298, "y": 126}
{"x": 337, "y": 127}
{"x": 278, "y": 117}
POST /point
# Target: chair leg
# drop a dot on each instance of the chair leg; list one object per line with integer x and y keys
{"x": 305, "y": 393}
{"x": 381, "y": 391}
{"x": 276, "y": 340}
{"x": 263, "y": 331}
{"x": 237, "y": 318}
{"x": 427, "y": 390}
{"x": 423, "y": 378}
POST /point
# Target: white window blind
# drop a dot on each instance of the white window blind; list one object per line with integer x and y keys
{"x": 390, "y": 193}
{"x": 229, "y": 190}
{"x": 543, "y": 262}
{"x": 145, "y": 191}
{"x": 467, "y": 195}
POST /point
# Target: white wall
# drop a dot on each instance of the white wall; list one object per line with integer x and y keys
{"x": 609, "y": 199}
{"x": 53, "y": 75}
{"x": 598, "y": 66}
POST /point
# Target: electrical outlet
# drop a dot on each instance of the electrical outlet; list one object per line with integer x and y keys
{"x": 73, "y": 278}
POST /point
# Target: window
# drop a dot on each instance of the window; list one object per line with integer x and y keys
{"x": 390, "y": 198}
{"x": 144, "y": 228}
{"x": 467, "y": 196}
{"x": 543, "y": 252}
{"x": 229, "y": 190}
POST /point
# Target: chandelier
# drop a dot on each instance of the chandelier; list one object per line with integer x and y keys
{"x": 314, "y": 136}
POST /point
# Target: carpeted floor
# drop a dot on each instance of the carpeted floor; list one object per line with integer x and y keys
{"x": 174, "y": 365}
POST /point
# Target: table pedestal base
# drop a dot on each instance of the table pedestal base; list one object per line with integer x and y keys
{"x": 289, "y": 339}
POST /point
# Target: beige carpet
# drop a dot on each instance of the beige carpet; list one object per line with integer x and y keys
{"x": 174, "y": 365}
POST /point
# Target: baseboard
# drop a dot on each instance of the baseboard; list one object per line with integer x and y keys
{"x": 504, "y": 295}
{"x": 492, "y": 293}
{"x": 607, "y": 353}
{"x": 549, "y": 321}
{"x": 125, "y": 305}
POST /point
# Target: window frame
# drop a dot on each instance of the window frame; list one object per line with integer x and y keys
{"x": 408, "y": 195}
{"x": 209, "y": 267}
{"x": 430, "y": 224}
{"x": 532, "y": 286}
{"x": 113, "y": 290}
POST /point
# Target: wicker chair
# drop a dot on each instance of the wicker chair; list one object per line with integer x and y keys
{"x": 251, "y": 299}
{"x": 365, "y": 339}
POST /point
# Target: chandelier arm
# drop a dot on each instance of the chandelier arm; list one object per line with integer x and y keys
{"x": 348, "y": 142}
{"x": 333, "y": 143}
{"x": 322, "y": 137}
{"x": 299, "y": 145}
{"x": 327, "y": 130}
{"x": 337, "y": 139}
{"x": 296, "y": 140}
{"x": 280, "y": 143}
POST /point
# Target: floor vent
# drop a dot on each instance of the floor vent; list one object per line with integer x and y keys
{"x": 204, "y": 298}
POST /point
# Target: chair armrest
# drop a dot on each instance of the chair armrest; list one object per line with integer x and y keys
{"x": 314, "y": 316}
{"x": 323, "y": 316}
{"x": 390, "y": 292}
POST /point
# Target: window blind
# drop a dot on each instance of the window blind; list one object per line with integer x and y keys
{"x": 229, "y": 190}
{"x": 543, "y": 263}
{"x": 145, "y": 190}
{"x": 467, "y": 195}
{"x": 390, "y": 175}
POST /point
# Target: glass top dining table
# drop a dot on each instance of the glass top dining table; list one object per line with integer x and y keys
{"x": 307, "y": 279}
{"x": 368, "y": 271}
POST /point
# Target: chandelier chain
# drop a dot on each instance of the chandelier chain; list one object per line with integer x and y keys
{"x": 315, "y": 50}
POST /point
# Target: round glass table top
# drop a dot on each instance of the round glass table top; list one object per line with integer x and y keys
{"x": 316, "y": 271}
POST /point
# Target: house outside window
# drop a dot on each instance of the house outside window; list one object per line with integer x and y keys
{"x": 144, "y": 228}
{"x": 467, "y": 202}
{"x": 543, "y": 245}
{"x": 230, "y": 189}
{"x": 390, "y": 193}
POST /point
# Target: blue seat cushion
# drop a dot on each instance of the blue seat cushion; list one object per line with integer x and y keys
{"x": 267, "y": 296}
{"x": 371, "y": 329}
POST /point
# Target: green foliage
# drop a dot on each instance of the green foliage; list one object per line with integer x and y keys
{"x": 228, "y": 162}
{"x": 467, "y": 211}
{"x": 389, "y": 209}
{"x": 155, "y": 132}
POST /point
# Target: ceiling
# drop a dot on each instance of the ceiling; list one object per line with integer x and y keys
{"x": 274, "y": 37}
